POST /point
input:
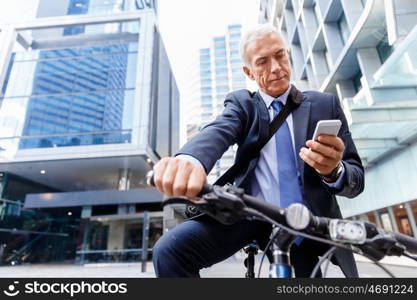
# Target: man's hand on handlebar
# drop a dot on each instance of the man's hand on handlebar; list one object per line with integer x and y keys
{"x": 178, "y": 177}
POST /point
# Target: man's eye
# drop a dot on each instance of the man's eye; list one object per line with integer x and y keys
{"x": 261, "y": 62}
{"x": 280, "y": 55}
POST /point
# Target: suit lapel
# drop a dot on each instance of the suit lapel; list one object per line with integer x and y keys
{"x": 301, "y": 117}
{"x": 263, "y": 118}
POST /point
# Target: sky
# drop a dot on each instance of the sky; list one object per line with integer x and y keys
{"x": 17, "y": 10}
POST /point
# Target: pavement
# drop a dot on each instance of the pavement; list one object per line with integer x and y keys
{"x": 232, "y": 267}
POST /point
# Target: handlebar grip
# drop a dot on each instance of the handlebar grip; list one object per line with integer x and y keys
{"x": 207, "y": 188}
{"x": 409, "y": 242}
{"x": 270, "y": 210}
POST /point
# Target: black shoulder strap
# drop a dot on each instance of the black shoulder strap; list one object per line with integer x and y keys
{"x": 295, "y": 98}
{"x": 279, "y": 119}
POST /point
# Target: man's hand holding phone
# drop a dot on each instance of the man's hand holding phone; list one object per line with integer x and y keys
{"x": 325, "y": 150}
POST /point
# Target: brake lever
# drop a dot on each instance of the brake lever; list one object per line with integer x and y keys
{"x": 224, "y": 204}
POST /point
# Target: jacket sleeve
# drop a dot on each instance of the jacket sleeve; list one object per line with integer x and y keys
{"x": 216, "y": 137}
{"x": 354, "y": 172}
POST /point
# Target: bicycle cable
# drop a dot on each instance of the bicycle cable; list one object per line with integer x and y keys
{"x": 292, "y": 231}
{"x": 315, "y": 238}
{"x": 306, "y": 235}
{"x": 328, "y": 255}
{"x": 264, "y": 252}
{"x": 328, "y": 263}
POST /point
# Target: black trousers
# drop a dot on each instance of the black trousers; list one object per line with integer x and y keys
{"x": 201, "y": 242}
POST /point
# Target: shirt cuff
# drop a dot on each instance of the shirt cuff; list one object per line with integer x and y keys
{"x": 338, "y": 184}
{"x": 190, "y": 159}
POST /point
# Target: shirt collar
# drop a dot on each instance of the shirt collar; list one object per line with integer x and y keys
{"x": 269, "y": 99}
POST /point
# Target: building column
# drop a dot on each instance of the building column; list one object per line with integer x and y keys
{"x": 1, "y": 181}
{"x": 124, "y": 185}
{"x": 312, "y": 79}
{"x": 393, "y": 219}
{"x": 124, "y": 179}
{"x": 85, "y": 228}
{"x": 411, "y": 218}
{"x": 345, "y": 92}
{"x": 116, "y": 235}
{"x": 145, "y": 240}
{"x": 369, "y": 63}
{"x": 353, "y": 10}
{"x": 320, "y": 66}
{"x": 345, "y": 89}
{"x": 377, "y": 219}
{"x": 333, "y": 41}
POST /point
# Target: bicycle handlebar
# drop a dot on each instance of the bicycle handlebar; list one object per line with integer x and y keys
{"x": 409, "y": 242}
{"x": 362, "y": 234}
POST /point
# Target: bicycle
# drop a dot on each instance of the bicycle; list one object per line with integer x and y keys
{"x": 229, "y": 204}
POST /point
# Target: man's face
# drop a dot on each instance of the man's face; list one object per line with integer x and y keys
{"x": 268, "y": 64}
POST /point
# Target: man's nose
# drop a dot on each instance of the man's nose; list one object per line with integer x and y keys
{"x": 275, "y": 66}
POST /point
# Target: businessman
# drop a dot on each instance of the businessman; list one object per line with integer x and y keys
{"x": 290, "y": 168}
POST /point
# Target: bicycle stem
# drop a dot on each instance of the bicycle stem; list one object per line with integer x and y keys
{"x": 280, "y": 248}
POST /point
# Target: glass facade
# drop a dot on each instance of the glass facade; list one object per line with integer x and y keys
{"x": 91, "y": 7}
{"x": 357, "y": 81}
{"x": 401, "y": 68}
{"x": 28, "y": 235}
{"x": 78, "y": 96}
{"x": 384, "y": 49}
{"x": 71, "y": 96}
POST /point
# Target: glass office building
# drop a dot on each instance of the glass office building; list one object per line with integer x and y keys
{"x": 363, "y": 51}
{"x": 88, "y": 104}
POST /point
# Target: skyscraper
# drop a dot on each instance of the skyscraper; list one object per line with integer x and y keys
{"x": 220, "y": 72}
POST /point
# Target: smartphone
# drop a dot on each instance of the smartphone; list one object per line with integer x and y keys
{"x": 329, "y": 127}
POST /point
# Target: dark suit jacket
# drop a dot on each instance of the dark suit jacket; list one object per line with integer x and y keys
{"x": 245, "y": 121}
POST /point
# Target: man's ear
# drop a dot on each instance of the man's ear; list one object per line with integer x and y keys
{"x": 248, "y": 72}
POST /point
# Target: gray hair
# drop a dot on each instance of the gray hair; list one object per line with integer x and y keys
{"x": 254, "y": 34}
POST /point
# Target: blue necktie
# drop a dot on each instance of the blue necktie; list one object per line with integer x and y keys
{"x": 289, "y": 185}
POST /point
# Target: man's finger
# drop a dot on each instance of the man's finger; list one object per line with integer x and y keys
{"x": 158, "y": 173}
{"x": 181, "y": 179}
{"x": 317, "y": 158}
{"x": 196, "y": 181}
{"x": 332, "y": 141}
{"x": 323, "y": 149}
{"x": 169, "y": 177}
{"x": 311, "y": 159}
